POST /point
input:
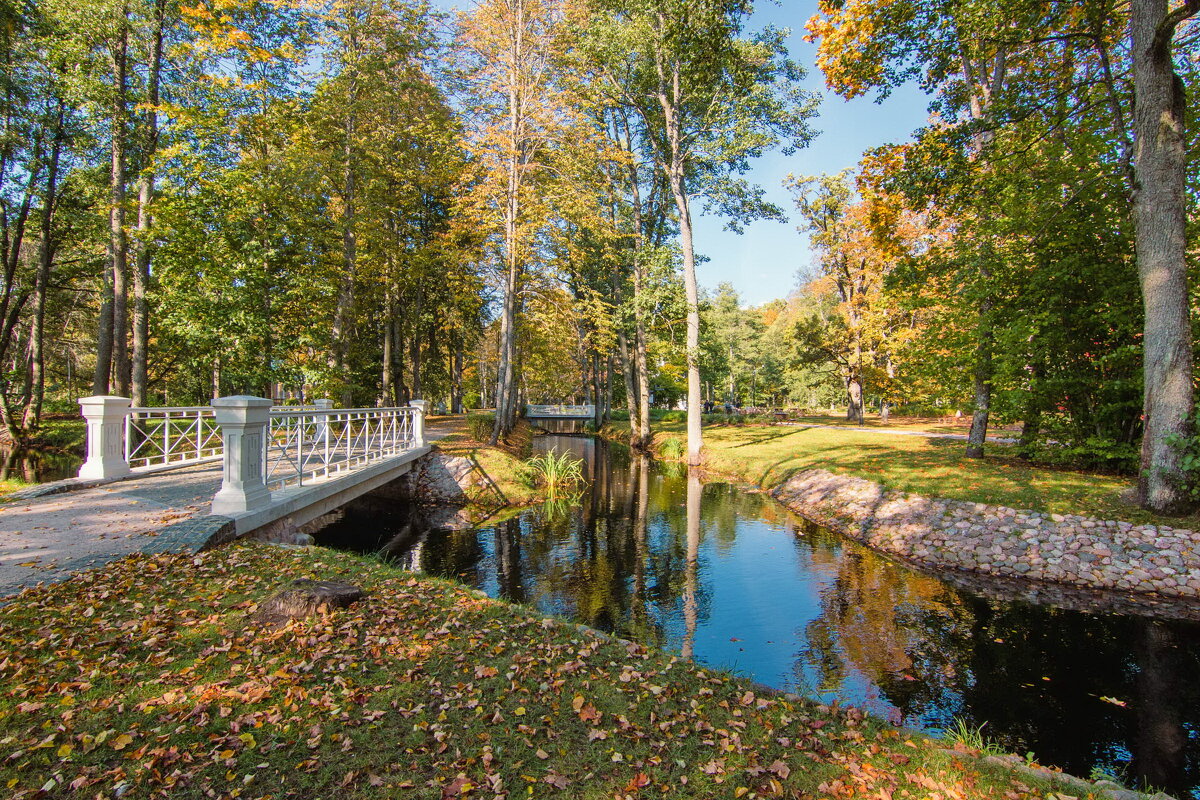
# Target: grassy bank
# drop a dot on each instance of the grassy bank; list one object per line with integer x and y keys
{"x": 148, "y": 679}
{"x": 11, "y": 485}
{"x": 504, "y": 464}
{"x": 768, "y": 454}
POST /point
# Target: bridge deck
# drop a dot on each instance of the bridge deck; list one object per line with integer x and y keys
{"x": 49, "y": 538}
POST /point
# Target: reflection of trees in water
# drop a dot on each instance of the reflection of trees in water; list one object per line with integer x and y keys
{"x": 1036, "y": 676}
{"x": 877, "y": 621}
{"x": 36, "y": 466}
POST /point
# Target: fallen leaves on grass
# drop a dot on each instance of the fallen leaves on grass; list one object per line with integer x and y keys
{"x": 426, "y": 689}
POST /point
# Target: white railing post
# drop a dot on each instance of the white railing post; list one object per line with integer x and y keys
{"x": 418, "y": 424}
{"x": 243, "y": 420}
{"x": 105, "y": 415}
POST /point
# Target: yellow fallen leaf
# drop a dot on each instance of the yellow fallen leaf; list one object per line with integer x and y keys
{"x": 122, "y": 741}
{"x": 65, "y": 750}
{"x": 520, "y": 712}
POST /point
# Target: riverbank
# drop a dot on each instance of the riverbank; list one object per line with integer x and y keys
{"x": 766, "y": 455}
{"x": 424, "y": 689}
{"x": 995, "y": 541}
{"x": 917, "y": 500}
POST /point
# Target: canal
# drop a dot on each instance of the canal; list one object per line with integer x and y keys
{"x": 726, "y": 576}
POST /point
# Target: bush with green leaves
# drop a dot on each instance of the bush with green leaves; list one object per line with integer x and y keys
{"x": 1188, "y": 447}
{"x": 481, "y": 426}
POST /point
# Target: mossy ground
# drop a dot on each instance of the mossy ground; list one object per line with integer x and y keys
{"x": 148, "y": 679}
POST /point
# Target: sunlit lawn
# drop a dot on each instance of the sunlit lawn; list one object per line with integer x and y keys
{"x": 768, "y": 454}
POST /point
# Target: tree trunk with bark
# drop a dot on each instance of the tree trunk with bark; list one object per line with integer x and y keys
{"x": 983, "y": 384}
{"x": 37, "y": 360}
{"x": 118, "y": 241}
{"x": 141, "y": 272}
{"x": 1159, "y": 206}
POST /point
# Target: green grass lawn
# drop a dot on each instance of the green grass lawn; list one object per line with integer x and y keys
{"x": 768, "y": 454}
{"x": 148, "y": 679}
{"x": 11, "y": 485}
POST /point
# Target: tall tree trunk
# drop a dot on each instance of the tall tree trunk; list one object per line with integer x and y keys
{"x": 506, "y": 384}
{"x": 1159, "y": 206}
{"x": 37, "y": 360}
{"x": 983, "y": 383}
{"x": 141, "y": 272}
{"x": 388, "y": 375}
{"x": 631, "y": 391}
{"x": 345, "y": 299}
{"x": 118, "y": 241}
{"x": 639, "y": 422}
{"x": 414, "y": 353}
{"x": 456, "y": 375}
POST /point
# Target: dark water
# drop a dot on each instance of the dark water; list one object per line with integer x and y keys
{"x": 37, "y": 466}
{"x": 733, "y": 580}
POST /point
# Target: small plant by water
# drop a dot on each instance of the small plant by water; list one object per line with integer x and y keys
{"x": 972, "y": 738}
{"x": 558, "y": 473}
{"x": 671, "y": 448}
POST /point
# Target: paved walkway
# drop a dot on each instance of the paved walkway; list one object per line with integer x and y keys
{"x": 49, "y": 538}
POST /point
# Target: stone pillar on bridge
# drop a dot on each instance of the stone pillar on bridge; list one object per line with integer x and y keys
{"x": 321, "y": 434}
{"x": 422, "y": 407}
{"x": 243, "y": 420}
{"x": 105, "y": 415}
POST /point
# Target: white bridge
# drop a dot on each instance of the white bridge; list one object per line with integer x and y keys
{"x": 560, "y": 418}
{"x": 277, "y": 463}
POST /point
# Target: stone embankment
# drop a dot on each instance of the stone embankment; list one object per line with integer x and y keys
{"x": 1152, "y": 560}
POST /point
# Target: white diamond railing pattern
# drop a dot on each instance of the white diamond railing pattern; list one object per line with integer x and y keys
{"x": 178, "y": 435}
{"x": 306, "y": 446}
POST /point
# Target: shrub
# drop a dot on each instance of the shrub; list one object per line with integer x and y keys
{"x": 619, "y": 415}
{"x": 481, "y": 426}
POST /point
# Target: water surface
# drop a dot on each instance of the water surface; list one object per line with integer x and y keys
{"x": 730, "y": 578}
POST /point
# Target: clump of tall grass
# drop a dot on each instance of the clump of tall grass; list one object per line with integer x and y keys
{"x": 671, "y": 448}
{"x": 557, "y": 473}
{"x": 961, "y": 733}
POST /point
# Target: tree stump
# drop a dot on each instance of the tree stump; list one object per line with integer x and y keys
{"x": 306, "y": 597}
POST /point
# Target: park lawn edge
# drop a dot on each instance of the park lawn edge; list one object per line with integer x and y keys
{"x": 148, "y": 678}
{"x": 767, "y": 455}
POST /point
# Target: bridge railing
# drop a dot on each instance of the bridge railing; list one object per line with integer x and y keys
{"x": 263, "y": 447}
{"x": 561, "y": 410}
{"x": 305, "y": 446}
{"x": 180, "y": 435}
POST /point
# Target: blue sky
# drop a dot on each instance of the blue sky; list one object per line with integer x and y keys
{"x": 763, "y": 263}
